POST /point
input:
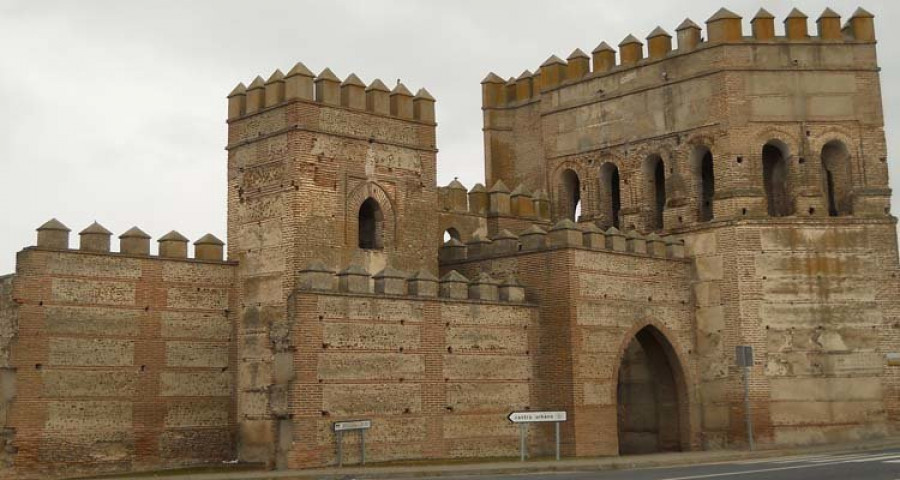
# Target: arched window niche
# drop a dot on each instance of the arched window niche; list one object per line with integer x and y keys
{"x": 610, "y": 194}
{"x": 776, "y": 179}
{"x": 371, "y": 225}
{"x": 570, "y": 194}
{"x": 705, "y": 174}
{"x": 836, "y": 181}
{"x": 655, "y": 175}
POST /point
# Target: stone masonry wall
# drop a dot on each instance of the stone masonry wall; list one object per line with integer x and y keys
{"x": 729, "y": 96}
{"x": 817, "y": 301}
{"x": 437, "y": 377}
{"x": 121, "y": 362}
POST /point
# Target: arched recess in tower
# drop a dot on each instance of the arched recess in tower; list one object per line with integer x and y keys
{"x": 451, "y": 234}
{"x": 706, "y": 176}
{"x": 836, "y": 180}
{"x": 651, "y": 398}
{"x": 570, "y": 194}
{"x": 610, "y": 195}
{"x": 655, "y": 173}
{"x": 776, "y": 179}
{"x": 371, "y": 225}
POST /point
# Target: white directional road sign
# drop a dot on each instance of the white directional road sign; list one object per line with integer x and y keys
{"x": 352, "y": 425}
{"x": 534, "y": 417}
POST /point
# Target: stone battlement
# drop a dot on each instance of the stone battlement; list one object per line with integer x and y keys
{"x": 723, "y": 28}
{"x": 54, "y": 235}
{"x": 328, "y": 89}
{"x": 497, "y": 201}
{"x": 564, "y": 234}
{"x": 390, "y": 281}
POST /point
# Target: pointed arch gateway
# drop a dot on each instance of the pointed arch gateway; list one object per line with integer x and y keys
{"x": 652, "y": 412}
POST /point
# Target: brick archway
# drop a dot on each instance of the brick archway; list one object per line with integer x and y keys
{"x": 355, "y": 200}
{"x": 652, "y": 399}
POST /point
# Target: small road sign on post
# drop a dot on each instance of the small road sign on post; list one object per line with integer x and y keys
{"x": 524, "y": 418}
{"x": 744, "y": 359}
{"x": 349, "y": 426}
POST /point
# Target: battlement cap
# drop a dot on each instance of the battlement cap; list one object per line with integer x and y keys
{"x": 456, "y": 185}
{"x": 499, "y": 187}
{"x": 762, "y": 14}
{"x": 492, "y": 78}
{"x": 328, "y": 76}
{"x": 577, "y": 53}
{"x": 95, "y": 229}
{"x": 353, "y": 80}
{"x": 629, "y": 40}
{"x": 423, "y": 94}
{"x": 276, "y": 76}
{"x": 829, "y": 13}
{"x": 257, "y": 82}
{"x": 796, "y": 13}
{"x": 173, "y": 236}
{"x": 400, "y": 89}
{"x": 724, "y": 14}
{"x": 209, "y": 239}
{"x": 862, "y": 13}
{"x": 658, "y": 32}
{"x": 603, "y": 47}
{"x": 553, "y": 60}
{"x": 240, "y": 89}
{"x": 686, "y": 24}
{"x": 54, "y": 224}
{"x": 300, "y": 69}
{"x": 377, "y": 85}
{"x": 134, "y": 232}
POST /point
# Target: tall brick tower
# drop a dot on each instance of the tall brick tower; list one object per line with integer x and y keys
{"x": 327, "y": 170}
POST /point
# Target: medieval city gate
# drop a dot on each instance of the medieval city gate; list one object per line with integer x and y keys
{"x": 651, "y": 396}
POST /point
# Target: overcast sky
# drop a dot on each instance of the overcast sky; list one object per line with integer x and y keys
{"x": 115, "y": 110}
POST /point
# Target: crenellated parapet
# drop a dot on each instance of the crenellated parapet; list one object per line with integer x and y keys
{"x": 564, "y": 234}
{"x": 496, "y": 201}
{"x": 354, "y": 279}
{"x": 95, "y": 238}
{"x": 724, "y": 27}
{"x": 326, "y": 88}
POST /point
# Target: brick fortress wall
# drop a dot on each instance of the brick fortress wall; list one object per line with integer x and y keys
{"x": 436, "y": 365}
{"x": 595, "y": 291}
{"x": 121, "y": 361}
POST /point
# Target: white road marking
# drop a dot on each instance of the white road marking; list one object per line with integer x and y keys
{"x": 810, "y": 458}
{"x": 842, "y": 457}
{"x": 874, "y": 459}
{"x": 779, "y": 469}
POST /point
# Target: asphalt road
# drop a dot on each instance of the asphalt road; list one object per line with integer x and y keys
{"x": 882, "y": 465}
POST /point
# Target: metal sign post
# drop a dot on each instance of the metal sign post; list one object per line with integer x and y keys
{"x": 353, "y": 425}
{"x": 524, "y": 418}
{"x": 744, "y": 359}
{"x": 522, "y": 443}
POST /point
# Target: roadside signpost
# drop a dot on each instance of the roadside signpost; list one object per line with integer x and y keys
{"x": 524, "y": 418}
{"x": 744, "y": 359}
{"x": 349, "y": 426}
